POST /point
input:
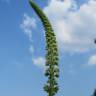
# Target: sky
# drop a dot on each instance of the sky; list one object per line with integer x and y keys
{"x": 22, "y": 47}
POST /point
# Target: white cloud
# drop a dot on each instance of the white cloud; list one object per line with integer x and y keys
{"x": 75, "y": 28}
{"x": 71, "y": 69}
{"x": 92, "y": 60}
{"x": 39, "y": 61}
{"x": 31, "y": 49}
{"x": 27, "y": 25}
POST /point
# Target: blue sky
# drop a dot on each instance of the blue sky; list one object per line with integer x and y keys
{"x": 22, "y": 45}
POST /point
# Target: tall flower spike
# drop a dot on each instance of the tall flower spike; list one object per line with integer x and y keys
{"x": 52, "y": 69}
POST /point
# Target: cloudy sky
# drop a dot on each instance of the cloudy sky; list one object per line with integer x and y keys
{"x": 22, "y": 47}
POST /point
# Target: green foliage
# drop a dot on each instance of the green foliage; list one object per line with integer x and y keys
{"x": 52, "y": 70}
